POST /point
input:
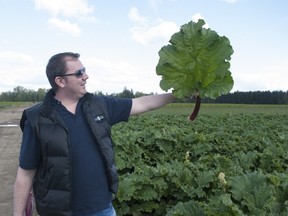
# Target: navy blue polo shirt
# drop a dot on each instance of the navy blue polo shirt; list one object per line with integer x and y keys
{"x": 90, "y": 192}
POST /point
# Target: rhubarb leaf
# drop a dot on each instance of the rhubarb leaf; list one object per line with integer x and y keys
{"x": 197, "y": 60}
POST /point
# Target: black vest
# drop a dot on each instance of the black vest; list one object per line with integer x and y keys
{"x": 52, "y": 182}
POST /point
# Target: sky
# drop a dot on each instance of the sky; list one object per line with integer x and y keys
{"x": 119, "y": 40}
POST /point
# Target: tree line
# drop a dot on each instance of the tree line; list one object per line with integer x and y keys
{"x": 21, "y": 94}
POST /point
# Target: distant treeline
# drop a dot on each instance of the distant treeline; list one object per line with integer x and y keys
{"x": 21, "y": 94}
{"x": 253, "y": 97}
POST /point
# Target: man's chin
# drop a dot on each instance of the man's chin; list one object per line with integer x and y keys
{"x": 84, "y": 91}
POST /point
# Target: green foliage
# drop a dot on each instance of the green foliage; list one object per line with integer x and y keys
{"x": 188, "y": 208}
{"x": 14, "y": 104}
{"x": 168, "y": 166}
{"x": 253, "y": 193}
{"x": 21, "y": 94}
{"x": 265, "y": 97}
{"x": 196, "y": 60}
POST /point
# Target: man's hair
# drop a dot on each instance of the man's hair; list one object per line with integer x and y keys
{"x": 57, "y": 66}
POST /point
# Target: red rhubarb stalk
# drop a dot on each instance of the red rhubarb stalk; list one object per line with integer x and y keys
{"x": 196, "y": 108}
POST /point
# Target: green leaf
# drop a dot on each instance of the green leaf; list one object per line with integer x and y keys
{"x": 196, "y": 60}
{"x": 188, "y": 208}
{"x": 253, "y": 192}
{"x": 126, "y": 189}
{"x": 222, "y": 205}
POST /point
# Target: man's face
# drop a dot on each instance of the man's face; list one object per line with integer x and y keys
{"x": 75, "y": 80}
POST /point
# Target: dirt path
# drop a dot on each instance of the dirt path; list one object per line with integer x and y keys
{"x": 10, "y": 140}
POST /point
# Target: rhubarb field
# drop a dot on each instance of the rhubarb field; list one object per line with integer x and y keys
{"x": 220, "y": 164}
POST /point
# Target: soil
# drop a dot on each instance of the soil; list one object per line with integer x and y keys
{"x": 10, "y": 142}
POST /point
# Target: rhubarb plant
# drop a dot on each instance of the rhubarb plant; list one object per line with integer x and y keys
{"x": 196, "y": 62}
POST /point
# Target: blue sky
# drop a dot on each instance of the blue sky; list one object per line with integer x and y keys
{"x": 119, "y": 40}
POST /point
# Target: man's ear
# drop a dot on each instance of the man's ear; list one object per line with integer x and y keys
{"x": 60, "y": 81}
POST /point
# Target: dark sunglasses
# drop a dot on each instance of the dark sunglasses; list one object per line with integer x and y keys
{"x": 79, "y": 73}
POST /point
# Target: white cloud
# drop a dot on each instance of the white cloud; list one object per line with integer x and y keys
{"x": 78, "y": 9}
{"x": 231, "y": 1}
{"x": 65, "y": 26}
{"x": 20, "y": 69}
{"x": 111, "y": 71}
{"x": 145, "y": 32}
{"x": 258, "y": 76}
{"x": 154, "y": 4}
{"x": 111, "y": 76}
{"x": 29, "y": 77}
{"x": 68, "y": 8}
{"x": 198, "y": 16}
{"x": 134, "y": 16}
{"x": 144, "y": 35}
{"x": 15, "y": 57}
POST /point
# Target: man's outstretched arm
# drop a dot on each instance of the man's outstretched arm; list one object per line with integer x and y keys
{"x": 150, "y": 102}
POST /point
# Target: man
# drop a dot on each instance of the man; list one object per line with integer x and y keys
{"x": 66, "y": 153}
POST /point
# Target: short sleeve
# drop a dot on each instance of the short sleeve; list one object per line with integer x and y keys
{"x": 30, "y": 152}
{"x": 118, "y": 109}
